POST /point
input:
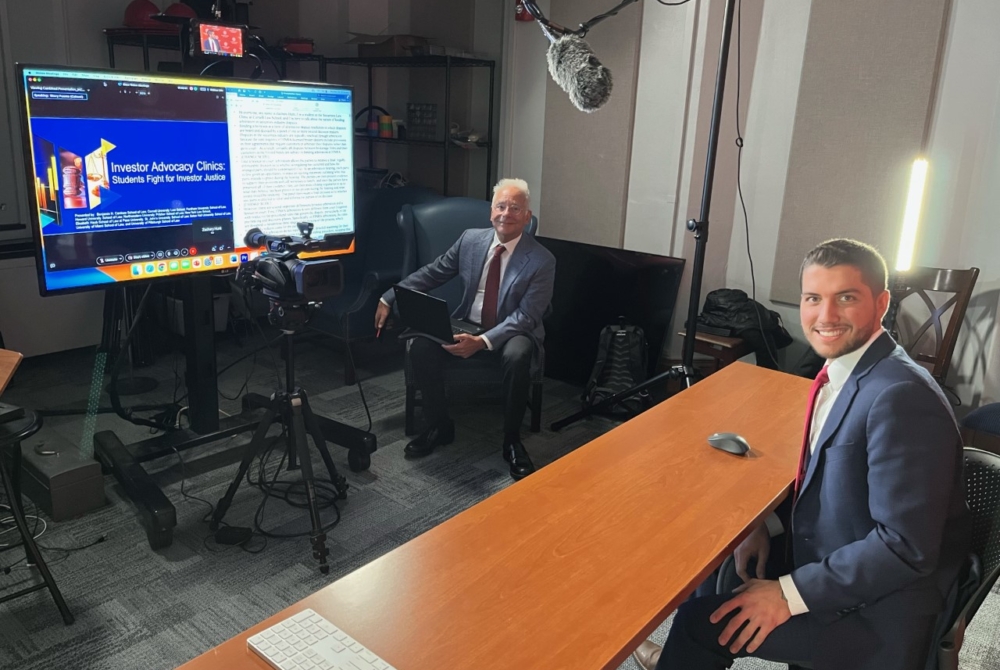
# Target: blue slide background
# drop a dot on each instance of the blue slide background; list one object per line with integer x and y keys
{"x": 143, "y": 142}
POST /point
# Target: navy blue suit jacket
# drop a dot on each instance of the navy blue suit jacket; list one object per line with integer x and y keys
{"x": 881, "y": 529}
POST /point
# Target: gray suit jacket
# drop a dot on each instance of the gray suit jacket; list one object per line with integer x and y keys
{"x": 525, "y": 292}
{"x": 881, "y": 529}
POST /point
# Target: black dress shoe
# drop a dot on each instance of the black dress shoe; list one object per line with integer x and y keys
{"x": 424, "y": 443}
{"x": 515, "y": 454}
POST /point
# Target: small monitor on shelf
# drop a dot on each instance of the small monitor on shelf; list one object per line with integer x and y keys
{"x": 217, "y": 39}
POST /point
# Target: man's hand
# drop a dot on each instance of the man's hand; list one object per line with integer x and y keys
{"x": 762, "y": 606}
{"x": 756, "y": 545}
{"x": 381, "y": 314}
{"x": 465, "y": 345}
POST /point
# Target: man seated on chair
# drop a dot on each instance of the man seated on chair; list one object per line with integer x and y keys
{"x": 508, "y": 279}
{"x": 872, "y": 539}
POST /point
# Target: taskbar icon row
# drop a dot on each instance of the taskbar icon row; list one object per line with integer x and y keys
{"x": 181, "y": 265}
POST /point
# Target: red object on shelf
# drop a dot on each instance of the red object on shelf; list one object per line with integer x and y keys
{"x": 298, "y": 45}
{"x": 139, "y": 14}
{"x": 180, "y": 9}
{"x": 521, "y": 13}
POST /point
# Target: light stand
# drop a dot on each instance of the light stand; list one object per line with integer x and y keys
{"x": 699, "y": 227}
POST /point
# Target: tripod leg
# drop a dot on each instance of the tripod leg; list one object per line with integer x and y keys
{"x": 288, "y": 419}
{"x": 255, "y": 445}
{"x": 298, "y": 442}
{"x": 339, "y": 483}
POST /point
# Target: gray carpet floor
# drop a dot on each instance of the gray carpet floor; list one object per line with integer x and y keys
{"x": 139, "y": 608}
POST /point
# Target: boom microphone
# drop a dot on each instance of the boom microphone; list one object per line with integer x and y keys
{"x": 576, "y": 69}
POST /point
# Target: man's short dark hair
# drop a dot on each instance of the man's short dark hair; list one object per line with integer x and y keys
{"x": 864, "y": 257}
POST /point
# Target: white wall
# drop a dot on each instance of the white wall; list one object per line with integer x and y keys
{"x": 961, "y": 222}
{"x": 768, "y": 140}
{"x": 522, "y": 120}
{"x": 960, "y": 225}
{"x": 667, "y": 62}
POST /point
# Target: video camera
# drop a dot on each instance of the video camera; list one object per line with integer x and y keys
{"x": 294, "y": 286}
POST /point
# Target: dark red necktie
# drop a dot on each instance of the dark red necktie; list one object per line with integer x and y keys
{"x": 821, "y": 380}
{"x": 492, "y": 292}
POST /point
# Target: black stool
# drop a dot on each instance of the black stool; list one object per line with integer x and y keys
{"x": 11, "y": 434}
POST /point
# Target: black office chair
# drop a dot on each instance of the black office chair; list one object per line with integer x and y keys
{"x": 428, "y": 231}
{"x": 982, "y": 482}
{"x": 11, "y": 435}
{"x": 981, "y": 427}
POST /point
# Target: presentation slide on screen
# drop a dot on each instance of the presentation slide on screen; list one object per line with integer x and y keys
{"x": 98, "y": 175}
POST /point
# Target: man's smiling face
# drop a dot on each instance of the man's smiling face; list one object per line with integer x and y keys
{"x": 838, "y": 309}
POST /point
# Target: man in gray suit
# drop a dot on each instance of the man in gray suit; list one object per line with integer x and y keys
{"x": 508, "y": 279}
{"x": 876, "y": 528}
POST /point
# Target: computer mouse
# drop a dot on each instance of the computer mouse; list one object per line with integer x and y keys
{"x": 731, "y": 442}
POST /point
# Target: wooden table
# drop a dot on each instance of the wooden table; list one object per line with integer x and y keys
{"x": 575, "y": 565}
{"x": 9, "y": 360}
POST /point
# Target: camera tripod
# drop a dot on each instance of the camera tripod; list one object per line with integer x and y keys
{"x": 291, "y": 405}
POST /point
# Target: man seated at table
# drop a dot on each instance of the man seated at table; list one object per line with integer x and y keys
{"x": 876, "y": 528}
{"x": 508, "y": 279}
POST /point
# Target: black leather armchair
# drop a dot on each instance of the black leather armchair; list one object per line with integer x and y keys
{"x": 428, "y": 230}
{"x": 371, "y": 269}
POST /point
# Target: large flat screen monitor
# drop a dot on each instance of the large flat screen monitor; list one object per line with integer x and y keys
{"x": 144, "y": 176}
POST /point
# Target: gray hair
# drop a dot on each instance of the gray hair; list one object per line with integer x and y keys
{"x": 519, "y": 184}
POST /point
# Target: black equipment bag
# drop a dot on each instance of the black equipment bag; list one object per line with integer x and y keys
{"x": 732, "y": 310}
{"x": 622, "y": 357}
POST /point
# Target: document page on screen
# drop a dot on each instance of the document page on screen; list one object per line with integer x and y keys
{"x": 291, "y": 162}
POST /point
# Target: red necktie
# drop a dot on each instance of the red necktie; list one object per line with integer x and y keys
{"x": 821, "y": 380}
{"x": 492, "y": 292}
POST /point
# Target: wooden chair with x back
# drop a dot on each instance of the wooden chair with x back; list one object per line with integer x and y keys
{"x": 913, "y": 296}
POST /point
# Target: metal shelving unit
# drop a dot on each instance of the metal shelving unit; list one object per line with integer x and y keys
{"x": 448, "y": 63}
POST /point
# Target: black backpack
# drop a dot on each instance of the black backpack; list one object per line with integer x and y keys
{"x": 622, "y": 357}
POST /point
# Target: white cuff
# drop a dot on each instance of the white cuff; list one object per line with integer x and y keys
{"x": 382, "y": 300}
{"x": 489, "y": 345}
{"x": 774, "y": 526}
{"x": 796, "y": 605}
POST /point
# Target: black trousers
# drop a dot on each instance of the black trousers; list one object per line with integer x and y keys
{"x": 851, "y": 642}
{"x": 429, "y": 359}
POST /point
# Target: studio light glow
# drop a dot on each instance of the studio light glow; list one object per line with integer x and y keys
{"x": 911, "y": 219}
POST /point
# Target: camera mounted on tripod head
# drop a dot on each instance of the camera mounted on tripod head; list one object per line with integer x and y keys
{"x": 295, "y": 287}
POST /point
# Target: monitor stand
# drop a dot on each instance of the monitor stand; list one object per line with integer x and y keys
{"x": 120, "y": 303}
{"x": 156, "y": 513}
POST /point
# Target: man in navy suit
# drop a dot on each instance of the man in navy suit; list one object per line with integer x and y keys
{"x": 877, "y": 528}
{"x": 211, "y": 44}
{"x": 508, "y": 279}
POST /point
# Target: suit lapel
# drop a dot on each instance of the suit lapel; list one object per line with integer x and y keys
{"x": 879, "y": 349}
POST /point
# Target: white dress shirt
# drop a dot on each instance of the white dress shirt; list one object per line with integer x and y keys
{"x": 476, "y": 311}
{"x": 839, "y": 370}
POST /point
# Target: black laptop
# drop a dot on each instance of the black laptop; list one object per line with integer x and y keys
{"x": 427, "y": 316}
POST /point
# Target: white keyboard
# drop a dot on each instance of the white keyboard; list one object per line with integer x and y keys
{"x": 307, "y": 641}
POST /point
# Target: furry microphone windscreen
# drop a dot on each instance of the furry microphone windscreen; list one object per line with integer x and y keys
{"x": 576, "y": 69}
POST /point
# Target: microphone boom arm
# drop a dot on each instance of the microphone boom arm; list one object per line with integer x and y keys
{"x": 559, "y": 31}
